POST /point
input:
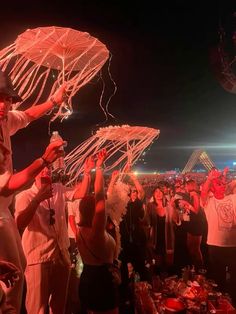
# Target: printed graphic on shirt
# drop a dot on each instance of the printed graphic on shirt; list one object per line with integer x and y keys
{"x": 226, "y": 215}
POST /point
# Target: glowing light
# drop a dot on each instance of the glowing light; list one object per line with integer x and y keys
{"x": 208, "y": 146}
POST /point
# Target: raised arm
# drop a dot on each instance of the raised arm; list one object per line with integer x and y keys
{"x": 99, "y": 221}
{"x": 114, "y": 177}
{"x": 22, "y": 178}
{"x": 35, "y": 112}
{"x": 213, "y": 174}
{"x": 82, "y": 189}
{"x": 138, "y": 186}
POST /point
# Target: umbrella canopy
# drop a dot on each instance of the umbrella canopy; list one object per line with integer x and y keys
{"x": 124, "y": 145}
{"x": 42, "y": 59}
{"x": 58, "y": 48}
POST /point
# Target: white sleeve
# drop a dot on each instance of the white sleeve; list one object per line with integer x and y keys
{"x": 23, "y": 199}
{"x": 17, "y": 120}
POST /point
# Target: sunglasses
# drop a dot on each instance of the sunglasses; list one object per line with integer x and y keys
{"x": 52, "y": 216}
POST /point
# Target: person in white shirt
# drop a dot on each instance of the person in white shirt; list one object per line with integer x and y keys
{"x": 40, "y": 213}
{"x": 220, "y": 210}
{"x": 10, "y": 122}
{"x": 11, "y": 248}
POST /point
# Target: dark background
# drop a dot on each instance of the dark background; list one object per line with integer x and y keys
{"x": 160, "y": 63}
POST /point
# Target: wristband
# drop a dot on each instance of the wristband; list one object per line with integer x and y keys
{"x": 45, "y": 162}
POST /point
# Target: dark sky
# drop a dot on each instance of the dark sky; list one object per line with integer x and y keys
{"x": 161, "y": 67}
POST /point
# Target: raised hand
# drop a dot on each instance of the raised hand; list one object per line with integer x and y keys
{"x": 89, "y": 164}
{"x": 60, "y": 95}
{"x": 54, "y": 151}
{"x": 101, "y": 156}
{"x": 225, "y": 171}
{"x": 115, "y": 174}
{"x": 214, "y": 174}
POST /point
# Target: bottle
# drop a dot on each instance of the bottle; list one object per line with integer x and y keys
{"x": 59, "y": 163}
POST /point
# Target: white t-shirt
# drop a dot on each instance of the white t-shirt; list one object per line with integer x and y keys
{"x": 42, "y": 241}
{"x": 221, "y": 219}
{"x": 73, "y": 210}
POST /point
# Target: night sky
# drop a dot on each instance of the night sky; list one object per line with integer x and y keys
{"x": 161, "y": 66}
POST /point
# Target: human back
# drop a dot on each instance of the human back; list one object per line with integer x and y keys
{"x": 96, "y": 249}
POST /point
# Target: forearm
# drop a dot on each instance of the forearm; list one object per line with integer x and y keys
{"x": 82, "y": 190}
{"x": 196, "y": 202}
{"x": 138, "y": 186}
{"x": 205, "y": 190}
{"x": 37, "y": 111}
{"x": 99, "y": 220}
{"x": 20, "y": 179}
{"x": 25, "y": 216}
{"x": 99, "y": 184}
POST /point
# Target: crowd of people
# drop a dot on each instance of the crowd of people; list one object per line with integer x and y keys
{"x": 54, "y": 228}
